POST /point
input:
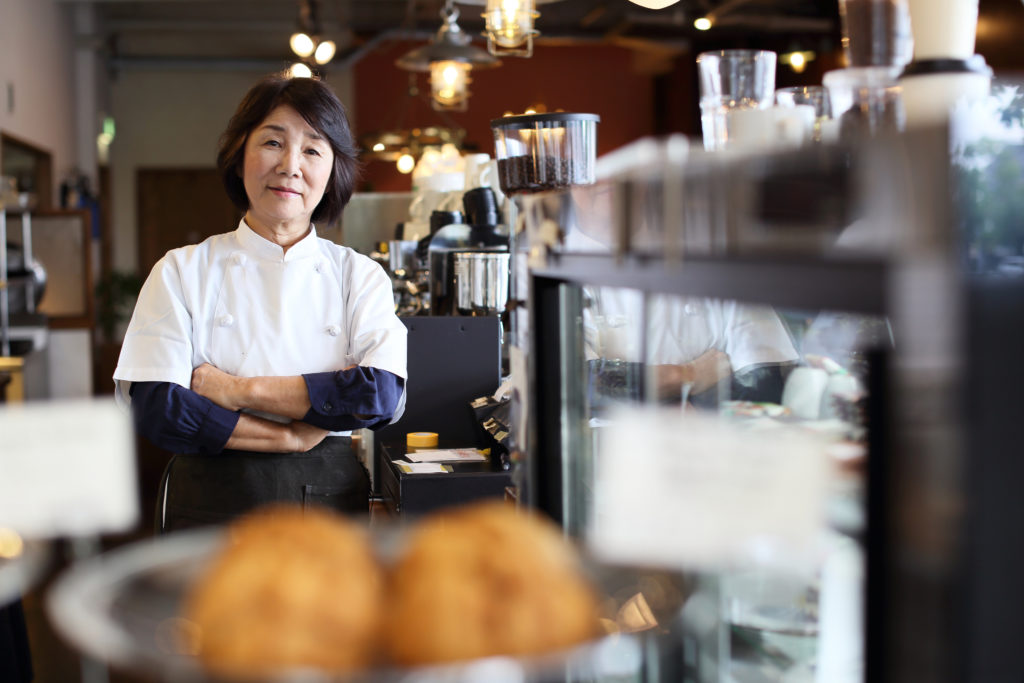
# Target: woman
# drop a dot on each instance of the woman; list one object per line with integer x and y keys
{"x": 253, "y": 354}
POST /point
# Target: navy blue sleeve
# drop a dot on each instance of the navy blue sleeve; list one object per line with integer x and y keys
{"x": 180, "y": 420}
{"x": 352, "y": 399}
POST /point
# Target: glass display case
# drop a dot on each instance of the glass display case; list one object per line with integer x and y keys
{"x": 720, "y": 348}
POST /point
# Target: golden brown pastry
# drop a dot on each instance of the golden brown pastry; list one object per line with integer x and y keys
{"x": 292, "y": 588}
{"x": 486, "y": 579}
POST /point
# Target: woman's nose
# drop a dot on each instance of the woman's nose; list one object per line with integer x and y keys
{"x": 289, "y": 163}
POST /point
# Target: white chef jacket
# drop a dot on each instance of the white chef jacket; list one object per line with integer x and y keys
{"x": 680, "y": 329}
{"x": 250, "y": 308}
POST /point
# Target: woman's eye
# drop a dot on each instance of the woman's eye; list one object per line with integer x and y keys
{"x": 314, "y": 152}
{"x": 272, "y": 143}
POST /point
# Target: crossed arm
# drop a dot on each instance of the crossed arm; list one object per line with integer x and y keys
{"x": 285, "y": 396}
{"x": 210, "y": 415}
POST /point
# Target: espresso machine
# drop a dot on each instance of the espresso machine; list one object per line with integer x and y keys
{"x": 409, "y": 278}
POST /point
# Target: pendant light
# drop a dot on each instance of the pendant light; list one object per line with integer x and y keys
{"x": 509, "y": 25}
{"x": 405, "y": 141}
{"x": 307, "y": 43}
{"x": 448, "y": 58}
{"x": 654, "y": 4}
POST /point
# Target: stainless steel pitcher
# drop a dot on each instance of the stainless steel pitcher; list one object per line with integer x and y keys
{"x": 481, "y": 282}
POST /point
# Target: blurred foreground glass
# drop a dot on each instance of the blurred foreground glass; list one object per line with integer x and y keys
{"x": 813, "y": 96}
{"x": 865, "y": 101}
{"x": 732, "y": 80}
{"x": 876, "y": 32}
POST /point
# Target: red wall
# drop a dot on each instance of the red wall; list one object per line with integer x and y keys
{"x": 584, "y": 78}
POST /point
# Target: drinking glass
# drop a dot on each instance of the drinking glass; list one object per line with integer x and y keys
{"x": 732, "y": 80}
{"x": 814, "y": 97}
{"x": 865, "y": 100}
{"x": 876, "y": 32}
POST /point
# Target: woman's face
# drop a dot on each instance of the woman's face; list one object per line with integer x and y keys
{"x": 285, "y": 170}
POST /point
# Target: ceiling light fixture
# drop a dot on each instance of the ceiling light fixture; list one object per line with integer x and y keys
{"x": 302, "y": 44}
{"x": 797, "y": 60}
{"x": 448, "y": 58}
{"x": 654, "y": 4}
{"x": 306, "y": 43}
{"x": 509, "y": 25}
{"x": 401, "y": 141}
{"x": 702, "y": 23}
{"x": 300, "y": 70}
{"x": 324, "y": 52}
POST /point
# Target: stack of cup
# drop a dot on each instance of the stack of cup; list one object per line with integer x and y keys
{"x": 945, "y": 71}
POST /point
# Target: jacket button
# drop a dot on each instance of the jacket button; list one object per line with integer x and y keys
{"x": 226, "y": 320}
{"x": 333, "y": 330}
{"x": 239, "y": 259}
{"x": 327, "y": 408}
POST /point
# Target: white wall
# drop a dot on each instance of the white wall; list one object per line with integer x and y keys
{"x": 36, "y": 64}
{"x": 168, "y": 119}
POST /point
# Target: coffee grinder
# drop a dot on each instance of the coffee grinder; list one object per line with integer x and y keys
{"x": 535, "y": 153}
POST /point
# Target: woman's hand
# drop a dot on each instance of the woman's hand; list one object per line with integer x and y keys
{"x": 267, "y": 436}
{"x": 305, "y": 436}
{"x": 701, "y": 374}
{"x": 220, "y": 387}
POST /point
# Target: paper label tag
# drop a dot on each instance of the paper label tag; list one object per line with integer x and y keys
{"x": 422, "y": 467}
{"x": 67, "y": 468}
{"x": 446, "y": 455}
{"x": 684, "y": 490}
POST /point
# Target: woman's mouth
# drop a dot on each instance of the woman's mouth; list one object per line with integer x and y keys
{"x": 284, "y": 192}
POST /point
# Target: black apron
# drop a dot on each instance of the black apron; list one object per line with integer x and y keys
{"x": 197, "y": 490}
{"x": 15, "y": 656}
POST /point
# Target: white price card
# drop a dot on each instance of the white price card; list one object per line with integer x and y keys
{"x": 422, "y": 467}
{"x": 446, "y": 455}
{"x": 67, "y": 468}
{"x": 684, "y": 490}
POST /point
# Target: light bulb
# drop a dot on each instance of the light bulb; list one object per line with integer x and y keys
{"x": 379, "y": 147}
{"x": 405, "y": 163}
{"x": 324, "y": 52}
{"x": 302, "y": 45}
{"x": 11, "y": 545}
{"x": 702, "y": 24}
{"x": 509, "y": 23}
{"x": 448, "y": 83}
{"x": 300, "y": 70}
{"x": 654, "y": 4}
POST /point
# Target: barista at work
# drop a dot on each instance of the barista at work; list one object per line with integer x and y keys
{"x": 252, "y": 354}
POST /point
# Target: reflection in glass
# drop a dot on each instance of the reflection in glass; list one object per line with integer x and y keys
{"x": 763, "y": 372}
{"x": 988, "y": 173}
{"x": 683, "y": 350}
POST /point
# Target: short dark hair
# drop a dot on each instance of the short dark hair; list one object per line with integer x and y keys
{"x": 321, "y": 109}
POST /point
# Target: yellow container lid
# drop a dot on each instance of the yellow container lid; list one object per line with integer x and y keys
{"x": 421, "y": 439}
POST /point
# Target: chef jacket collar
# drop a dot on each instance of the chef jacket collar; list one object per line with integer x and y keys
{"x": 263, "y": 248}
